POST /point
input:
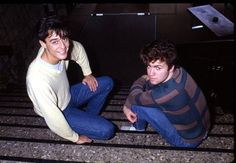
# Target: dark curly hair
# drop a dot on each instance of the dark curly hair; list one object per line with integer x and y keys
{"x": 52, "y": 23}
{"x": 163, "y": 50}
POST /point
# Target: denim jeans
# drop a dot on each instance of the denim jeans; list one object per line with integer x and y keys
{"x": 161, "y": 124}
{"x": 82, "y": 112}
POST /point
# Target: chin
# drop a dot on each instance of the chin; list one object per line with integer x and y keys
{"x": 154, "y": 82}
{"x": 63, "y": 56}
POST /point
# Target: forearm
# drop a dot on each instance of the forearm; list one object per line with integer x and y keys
{"x": 136, "y": 89}
{"x": 138, "y": 85}
{"x": 79, "y": 55}
{"x": 53, "y": 116}
{"x": 60, "y": 127}
{"x": 139, "y": 95}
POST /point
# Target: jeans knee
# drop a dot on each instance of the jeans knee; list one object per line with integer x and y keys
{"x": 107, "y": 82}
{"x": 108, "y": 132}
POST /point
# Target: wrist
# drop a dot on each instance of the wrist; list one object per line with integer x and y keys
{"x": 126, "y": 110}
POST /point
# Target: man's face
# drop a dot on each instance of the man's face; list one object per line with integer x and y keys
{"x": 56, "y": 47}
{"x": 158, "y": 72}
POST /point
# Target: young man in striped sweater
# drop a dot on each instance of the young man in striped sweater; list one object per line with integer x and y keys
{"x": 168, "y": 99}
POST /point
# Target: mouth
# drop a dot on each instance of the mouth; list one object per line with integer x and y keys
{"x": 151, "y": 78}
{"x": 62, "y": 52}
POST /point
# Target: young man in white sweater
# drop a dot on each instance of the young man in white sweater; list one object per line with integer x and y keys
{"x": 58, "y": 102}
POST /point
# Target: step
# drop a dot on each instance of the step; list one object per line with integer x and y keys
{"x": 111, "y": 112}
{"x": 34, "y": 151}
{"x": 36, "y": 121}
{"x": 122, "y": 137}
{"x": 25, "y": 137}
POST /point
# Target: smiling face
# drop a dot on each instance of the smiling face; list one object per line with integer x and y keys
{"x": 56, "y": 47}
{"x": 158, "y": 72}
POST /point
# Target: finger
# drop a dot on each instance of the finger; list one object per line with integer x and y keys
{"x": 91, "y": 87}
{"x": 82, "y": 142}
{"x": 94, "y": 87}
{"x": 132, "y": 119}
{"x": 87, "y": 140}
{"x": 84, "y": 82}
{"x": 83, "y": 139}
{"x": 132, "y": 114}
{"x": 96, "y": 82}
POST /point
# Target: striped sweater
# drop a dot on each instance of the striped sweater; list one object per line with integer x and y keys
{"x": 180, "y": 99}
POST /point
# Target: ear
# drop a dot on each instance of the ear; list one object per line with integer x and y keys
{"x": 172, "y": 68}
{"x": 42, "y": 44}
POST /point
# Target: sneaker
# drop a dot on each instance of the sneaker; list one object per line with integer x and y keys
{"x": 130, "y": 128}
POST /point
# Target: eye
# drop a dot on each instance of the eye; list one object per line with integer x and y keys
{"x": 157, "y": 68}
{"x": 54, "y": 42}
{"x": 65, "y": 39}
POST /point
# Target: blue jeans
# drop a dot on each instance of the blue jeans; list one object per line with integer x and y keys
{"x": 82, "y": 112}
{"x": 161, "y": 124}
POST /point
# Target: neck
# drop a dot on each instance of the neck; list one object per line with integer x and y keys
{"x": 49, "y": 59}
{"x": 171, "y": 72}
{"x": 169, "y": 76}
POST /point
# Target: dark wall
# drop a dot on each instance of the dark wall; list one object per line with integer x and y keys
{"x": 17, "y": 23}
{"x": 212, "y": 66}
{"x": 18, "y": 32}
{"x": 113, "y": 44}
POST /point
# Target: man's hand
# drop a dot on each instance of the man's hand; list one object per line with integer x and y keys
{"x": 131, "y": 116}
{"x": 83, "y": 139}
{"x": 91, "y": 81}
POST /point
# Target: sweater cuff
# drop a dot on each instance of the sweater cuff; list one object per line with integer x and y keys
{"x": 74, "y": 138}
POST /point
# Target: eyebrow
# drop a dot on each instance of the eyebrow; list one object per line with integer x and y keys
{"x": 54, "y": 39}
{"x": 156, "y": 65}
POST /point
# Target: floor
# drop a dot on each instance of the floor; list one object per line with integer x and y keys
{"x": 24, "y": 137}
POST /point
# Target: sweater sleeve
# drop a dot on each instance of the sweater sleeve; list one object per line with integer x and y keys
{"x": 138, "y": 95}
{"x": 78, "y": 54}
{"x": 45, "y": 101}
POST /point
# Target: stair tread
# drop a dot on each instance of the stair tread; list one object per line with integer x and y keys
{"x": 107, "y": 154}
{"x": 21, "y": 128}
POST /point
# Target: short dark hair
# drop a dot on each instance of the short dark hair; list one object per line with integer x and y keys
{"x": 163, "y": 50}
{"x": 51, "y": 23}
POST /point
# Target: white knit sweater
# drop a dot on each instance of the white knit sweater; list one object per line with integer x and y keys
{"x": 48, "y": 89}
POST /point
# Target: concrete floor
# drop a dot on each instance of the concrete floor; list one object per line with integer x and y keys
{"x": 24, "y": 137}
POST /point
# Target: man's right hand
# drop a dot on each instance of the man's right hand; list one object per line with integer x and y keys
{"x": 131, "y": 116}
{"x": 83, "y": 139}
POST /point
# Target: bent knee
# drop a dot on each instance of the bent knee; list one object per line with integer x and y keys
{"x": 108, "y": 132}
{"x": 106, "y": 82}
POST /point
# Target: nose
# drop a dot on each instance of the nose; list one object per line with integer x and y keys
{"x": 62, "y": 43}
{"x": 151, "y": 71}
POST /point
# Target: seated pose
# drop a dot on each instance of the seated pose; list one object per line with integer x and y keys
{"x": 167, "y": 98}
{"x": 71, "y": 112}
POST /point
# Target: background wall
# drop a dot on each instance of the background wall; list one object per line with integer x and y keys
{"x": 18, "y": 43}
{"x": 113, "y": 41}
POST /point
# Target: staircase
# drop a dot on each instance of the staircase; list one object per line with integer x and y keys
{"x": 24, "y": 137}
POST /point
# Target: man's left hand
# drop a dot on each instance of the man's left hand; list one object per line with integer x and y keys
{"x": 91, "y": 81}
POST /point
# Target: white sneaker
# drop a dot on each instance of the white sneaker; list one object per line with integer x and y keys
{"x": 130, "y": 128}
